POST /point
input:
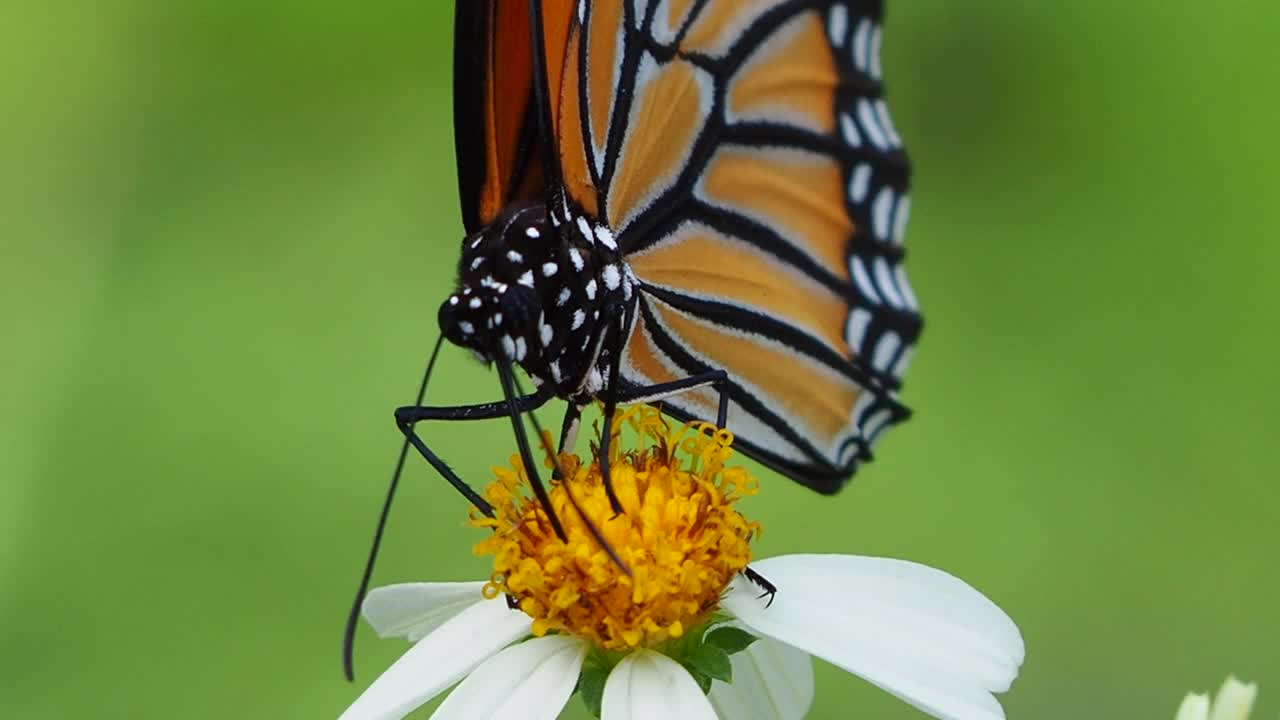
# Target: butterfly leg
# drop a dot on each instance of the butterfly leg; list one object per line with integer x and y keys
{"x": 408, "y": 416}
{"x": 614, "y": 396}
{"x": 569, "y": 428}
{"x": 756, "y": 578}
{"x": 622, "y": 315}
{"x": 716, "y": 379}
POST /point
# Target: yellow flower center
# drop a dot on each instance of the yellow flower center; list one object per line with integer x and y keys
{"x": 678, "y": 535}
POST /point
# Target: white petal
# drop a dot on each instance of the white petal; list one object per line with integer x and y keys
{"x": 440, "y": 660}
{"x": 1234, "y": 700}
{"x": 919, "y": 633}
{"x": 771, "y": 681}
{"x": 1194, "y": 707}
{"x": 412, "y": 610}
{"x": 530, "y": 681}
{"x": 650, "y": 686}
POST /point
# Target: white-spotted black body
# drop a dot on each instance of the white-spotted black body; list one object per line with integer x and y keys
{"x": 541, "y": 296}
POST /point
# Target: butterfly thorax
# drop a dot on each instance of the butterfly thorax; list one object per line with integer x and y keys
{"x": 540, "y": 295}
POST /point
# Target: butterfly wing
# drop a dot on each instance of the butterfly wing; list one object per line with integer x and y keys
{"x": 742, "y": 154}
{"x": 499, "y": 151}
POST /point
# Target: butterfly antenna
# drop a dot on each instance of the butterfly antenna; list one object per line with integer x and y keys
{"x": 353, "y": 617}
{"x": 568, "y": 491}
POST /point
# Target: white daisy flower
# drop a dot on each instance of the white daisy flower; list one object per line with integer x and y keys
{"x": 681, "y": 632}
{"x": 1233, "y": 702}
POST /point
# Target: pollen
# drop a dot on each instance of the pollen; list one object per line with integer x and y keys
{"x": 679, "y": 536}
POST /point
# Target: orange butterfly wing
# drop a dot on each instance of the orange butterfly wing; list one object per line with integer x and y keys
{"x": 499, "y": 153}
{"x": 741, "y": 153}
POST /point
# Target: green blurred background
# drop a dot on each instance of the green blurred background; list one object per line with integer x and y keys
{"x": 226, "y": 228}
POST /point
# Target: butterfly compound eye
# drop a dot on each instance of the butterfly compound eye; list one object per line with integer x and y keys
{"x": 451, "y": 323}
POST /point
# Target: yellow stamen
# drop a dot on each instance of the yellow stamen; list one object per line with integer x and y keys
{"x": 678, "y": 534}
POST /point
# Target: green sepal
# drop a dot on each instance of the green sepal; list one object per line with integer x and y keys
{"x": 730, "y": 639}
{"x": 711, "y": 661}
{"x": 703, "y": 681}
{"x": 591, "y": 684}
{"x": 595, "y": 671}
{"x": 704, "y": 652}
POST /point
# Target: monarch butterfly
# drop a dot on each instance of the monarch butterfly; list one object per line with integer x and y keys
{"x": 699, "y": 201}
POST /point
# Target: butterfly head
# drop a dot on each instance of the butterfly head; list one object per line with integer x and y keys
{"x": 496, "y": 308}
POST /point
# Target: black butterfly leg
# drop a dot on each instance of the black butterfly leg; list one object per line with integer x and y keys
{"x": 616, "y": 346}
{"x": 606, "y": 436}
{"x": 408, "y": 416}
{"x": 769, "y": 588}
{"x": 569, "y": 429}
{"x": 716, "y": 379}
{"x": 653, "y": 393}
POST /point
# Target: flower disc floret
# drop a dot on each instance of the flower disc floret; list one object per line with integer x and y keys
{"x": 679, "y": 536}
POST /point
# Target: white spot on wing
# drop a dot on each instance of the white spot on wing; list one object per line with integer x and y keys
{"x": 859, "y": 182}
{"x": 838, "y": 24}
{"x": 876, "y": 423}
{"x": 855, "y": 329}
{"x": 884, "y": 278}
{"x": 904, "y": 362}
{"x": 864, "y": 403}
{"x": 863, "y": 280}
{"x": 848, "y": 455}
{"x": 880, "y": 213}
{"x": 871, "y": 125}
{"x": 861, "y": 43}
{"x": 850, "y": 129}
{"x": 904, "y": 287}
{"x": 527, "y": 278}
{"x": 591, "y": 289}
{"x": 886, "y": 348}
{"x": 579, "y": 317}
{"x": 900, "y": 215}
{"x": 576, "y": 257}
{"x": 874, "y": 51}
{"x": 549, "y": 269}
{"x": 882, "y": 112}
